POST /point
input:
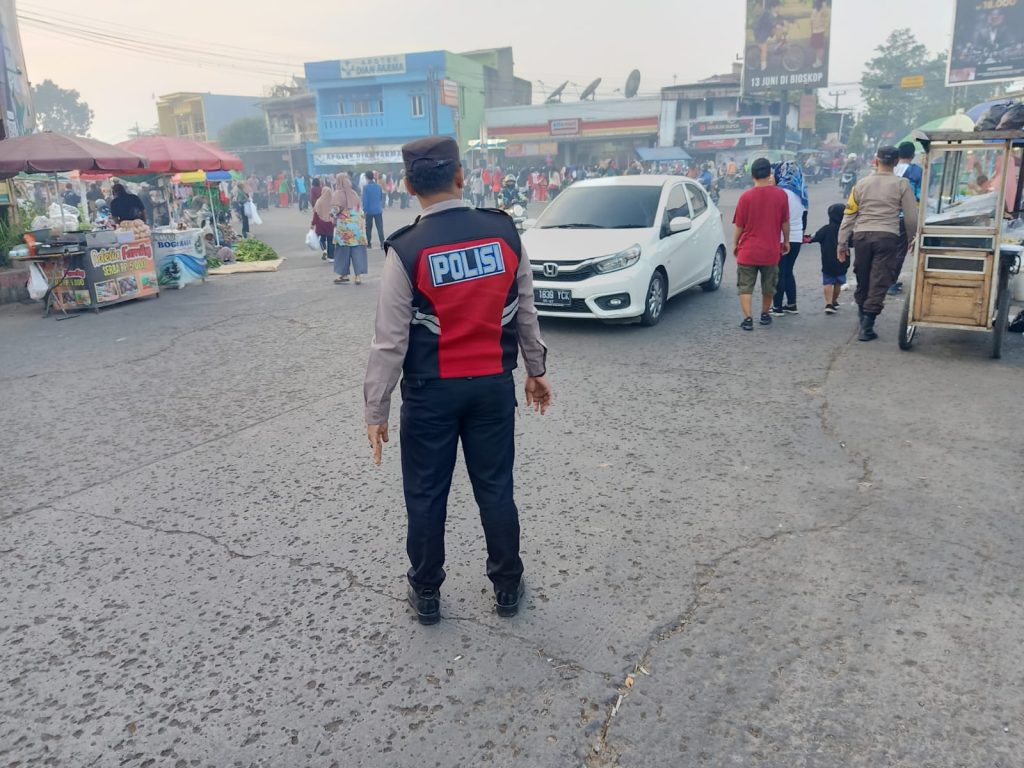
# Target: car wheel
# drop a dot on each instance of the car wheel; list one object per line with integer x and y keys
{"x": 654, "y": 303}
{"x": 714, "y": 282}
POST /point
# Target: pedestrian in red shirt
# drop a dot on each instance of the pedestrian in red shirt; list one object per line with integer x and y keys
{"x": 761, "y": 238}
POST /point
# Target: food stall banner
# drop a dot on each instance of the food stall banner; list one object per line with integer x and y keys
{"x": 120, "y": 272}
{"x": 787, "y": 45}
{"x": 179, "y": 255}
{"x": 988, "y": 42}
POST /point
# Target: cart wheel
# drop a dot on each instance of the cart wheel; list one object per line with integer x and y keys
{"x": 1002, "y": 313}
{"x": 907, "y": 331}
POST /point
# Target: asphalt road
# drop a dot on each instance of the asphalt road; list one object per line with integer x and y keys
{"x": 779, "y": 548}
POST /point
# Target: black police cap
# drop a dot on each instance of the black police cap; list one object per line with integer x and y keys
{"x": 431, "y": 152}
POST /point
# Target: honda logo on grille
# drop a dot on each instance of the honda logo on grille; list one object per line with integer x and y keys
{"x": 550, "y": 270}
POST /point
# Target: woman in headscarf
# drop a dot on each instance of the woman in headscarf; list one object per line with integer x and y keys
{"x": 349, "y": 232}
{"x": 323, "y": 222}
{"x": 790, "y": 178}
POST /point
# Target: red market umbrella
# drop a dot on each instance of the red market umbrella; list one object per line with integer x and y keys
{"x": 56, "y": 153}
{"x": 168, "y": 154}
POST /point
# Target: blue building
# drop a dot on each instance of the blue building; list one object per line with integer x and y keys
{"x": 367, "y": 108}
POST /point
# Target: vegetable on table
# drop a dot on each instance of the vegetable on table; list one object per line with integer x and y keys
{"x": 254, "y": 250}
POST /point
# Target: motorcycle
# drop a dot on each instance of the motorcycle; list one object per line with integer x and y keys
{"x": 846, "y": 181}
{"x": 713, "y": 192}
{"x": 515, "y": 206}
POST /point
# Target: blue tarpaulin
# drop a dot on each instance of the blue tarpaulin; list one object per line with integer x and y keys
{"x": 662, "y": 154}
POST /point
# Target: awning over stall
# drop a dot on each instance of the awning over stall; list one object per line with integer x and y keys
{"x": 662, "y": 154}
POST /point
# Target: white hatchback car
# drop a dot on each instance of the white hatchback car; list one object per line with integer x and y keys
{"x": 617, "y": 248}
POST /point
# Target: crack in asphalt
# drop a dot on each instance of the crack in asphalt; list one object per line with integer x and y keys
{"x": 174, "y": 532}
{"x": 603, "y": 752}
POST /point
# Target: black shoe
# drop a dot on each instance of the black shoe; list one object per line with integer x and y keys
{"x": 427, "y": 604}
{"x": 867, "y": 328}
{"x": 766, "y": 319}
{"x": 777, "y": 311}
{"x": 507, "y": 603}
{"x": 829, "y": 309}
{"x": 747, "y": 324}
{"x": 790, "y": 309}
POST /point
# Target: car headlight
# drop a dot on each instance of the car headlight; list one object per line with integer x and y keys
{"x": 620, "y": 260}
{"x": 518, "y": 210}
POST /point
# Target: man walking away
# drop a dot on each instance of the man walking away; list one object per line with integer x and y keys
{"x": 300, "y": 189}
{"x": 373, "y": 207}
{"x": 761, "y": 238}
{"x": 912, "y": 172}
{"x": 455, "y": 308}
{"x": 872, "y": 216}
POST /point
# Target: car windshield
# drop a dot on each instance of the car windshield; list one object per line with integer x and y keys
{"x": 611, "y": 207}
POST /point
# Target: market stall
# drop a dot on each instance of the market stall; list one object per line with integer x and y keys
{"x": 72, "y": 267}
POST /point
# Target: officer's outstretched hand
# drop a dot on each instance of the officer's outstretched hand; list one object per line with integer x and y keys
{"x": 538, "y": 393}
{"x": 378, "y": 434}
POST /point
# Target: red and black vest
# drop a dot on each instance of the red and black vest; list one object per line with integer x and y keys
{"x": 462, "y": 263}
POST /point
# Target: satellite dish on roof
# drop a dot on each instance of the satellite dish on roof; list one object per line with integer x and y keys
{"x": 588, "y": 92}
{"x": 632, "y": 83}
{"x": 556, "y": 95}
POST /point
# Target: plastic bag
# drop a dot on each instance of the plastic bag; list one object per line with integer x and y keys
{"x": 1012, "y": 119}
{"x": 312, "y": 240}
{"x": 252, "y": 213}
{"x": 989, "y": 120}
{"x": 38, "y": 285}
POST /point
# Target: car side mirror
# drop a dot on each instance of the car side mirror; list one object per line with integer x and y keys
{"x": 680, "y": 224}
{"x": 529, "y": 223}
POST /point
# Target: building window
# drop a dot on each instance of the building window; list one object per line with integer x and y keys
{"x": 417, "y": 105}
{"x": 693, "y": 110}
{"x": 373, "y": 106}
{"x": 184, "y": 125}
{"x": 709, "y": 107}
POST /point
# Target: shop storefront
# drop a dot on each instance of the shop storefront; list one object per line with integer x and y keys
{"x": 575, "y": 133}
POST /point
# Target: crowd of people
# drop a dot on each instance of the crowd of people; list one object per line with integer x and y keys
{"x": 770, "y": 228}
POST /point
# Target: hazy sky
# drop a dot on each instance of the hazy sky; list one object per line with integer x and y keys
{"x": 257, "y": 42}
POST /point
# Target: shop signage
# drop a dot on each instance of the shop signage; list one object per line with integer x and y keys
{"x": 121, "y": 272}
{"x": 808, "y": 111}
{"x": 358, "y": 156}
{"x": 569, "y": 126}
{"x": 912, "y": 81}
{"x": 449, "y": 93}
{"x": 372, "y": 66}
{"x": 988, "y": 42}
{"x": 786, "y": 49}
{"x": 734, "y": 128}
{"x": 179, "y": 256}
{"x": 532, "y": 149}
{"x": 715, "y": 144}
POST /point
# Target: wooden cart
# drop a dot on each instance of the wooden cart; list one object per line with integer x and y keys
{"x": 964, "y": 254}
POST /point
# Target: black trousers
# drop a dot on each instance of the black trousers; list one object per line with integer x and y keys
{"x": 370, "y": 219}
{"x": 874, "y": 264}
{"x": 436, "y": 415}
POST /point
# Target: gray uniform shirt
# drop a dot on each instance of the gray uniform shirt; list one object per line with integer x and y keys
{"x": 394, "y": 315}
{"x": 875, "y": 205}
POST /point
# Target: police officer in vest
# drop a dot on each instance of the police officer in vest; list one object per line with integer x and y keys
{"x": 455, "y": 308}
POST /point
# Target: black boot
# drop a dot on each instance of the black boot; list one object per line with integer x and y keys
{"x": 867, "y": 327}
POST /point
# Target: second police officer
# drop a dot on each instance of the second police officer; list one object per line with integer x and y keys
{"x": 456, "y": 307}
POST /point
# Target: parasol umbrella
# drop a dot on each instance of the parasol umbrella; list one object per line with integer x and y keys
{"x": 957, "y": 122}
{"x": 168, "y": 154}
{"x": 54, "y": 152}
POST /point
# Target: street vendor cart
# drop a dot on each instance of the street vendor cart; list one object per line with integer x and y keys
{"x": 969, "y": 234}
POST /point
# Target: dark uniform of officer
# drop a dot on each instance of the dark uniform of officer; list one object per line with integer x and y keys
{"x": 456, "y": 306}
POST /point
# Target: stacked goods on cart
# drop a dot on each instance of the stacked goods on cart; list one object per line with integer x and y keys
{"x": 137, "y": 227}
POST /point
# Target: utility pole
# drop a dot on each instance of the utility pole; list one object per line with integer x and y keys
{"x": 837, "y": 94}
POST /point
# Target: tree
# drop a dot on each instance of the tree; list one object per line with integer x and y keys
{"x": 244, "y": 132}
{"x": 856, "y": 143}
{"x": 897, "y": 111}
{"x": 60, "y": 110}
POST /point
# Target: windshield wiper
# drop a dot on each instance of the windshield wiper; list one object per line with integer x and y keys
{"x": 573, "y": 226}
{"x": 630, "y": 226}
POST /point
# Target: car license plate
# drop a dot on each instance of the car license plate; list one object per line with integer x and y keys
{"x": 552, "y": 297}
